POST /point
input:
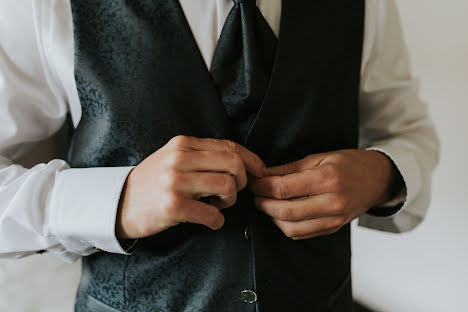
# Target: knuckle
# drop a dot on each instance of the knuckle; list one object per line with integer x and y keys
{"x": 224, "y": 202}
{"x": 237, "y": 161}
{"x": 338, "y": 182}
{"x": 229, "y": 184}
{"x": 287, "y": 214}
{"x": 177, "y": 158}
{"x": 290, "y": 232}
{"x": 281, "y": 190}
{"x": 335, "y": 224}
{"x": 343, "y": 157}
{"x": 335, "y": 205}
{"x": 179, "y": 141}
{"x": 239, "y": 170}
{"x": 323, "y": 176}
{"x": 329, "y": 171}
{"x": 334, "y": 177}
{"x": 231, "y": 146}
{"x": 172, "y": 179}
{"x": 340, "y": 205}
{"x": 231, "y": 200}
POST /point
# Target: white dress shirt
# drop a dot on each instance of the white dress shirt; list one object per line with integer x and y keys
{"x": 70, "y": 211}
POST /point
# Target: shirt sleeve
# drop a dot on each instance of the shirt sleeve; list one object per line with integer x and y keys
{"x": 394, "y": 120}
{"x": 68, "y": 212}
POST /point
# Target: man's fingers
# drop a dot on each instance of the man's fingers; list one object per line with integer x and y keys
{"x": 221, "y": 202}
{"x": 253, "y": 164}
{"x": 215, "y": 161}
{"x": 289, "y": 168}
{"x": 310, "y": 228}
{"x": 299, "y": 209}
{"x": 310, "y": 182}
{"x": 203, "y": 184}
{"x": 312, "y": 235}
{"x": 194, "y": 211}
{"x": 296, "y": 166}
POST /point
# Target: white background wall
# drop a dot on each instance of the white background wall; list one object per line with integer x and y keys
{"x": 425, "y": 270}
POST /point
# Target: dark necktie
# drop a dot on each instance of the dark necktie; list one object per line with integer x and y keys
{"x": 242, "y": 64}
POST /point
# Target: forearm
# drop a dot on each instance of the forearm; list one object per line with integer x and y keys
{"x": 68, "y": 212}
{"x": 394, "y": 120}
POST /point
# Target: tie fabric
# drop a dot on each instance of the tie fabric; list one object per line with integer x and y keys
{"x": 242, "y": 64}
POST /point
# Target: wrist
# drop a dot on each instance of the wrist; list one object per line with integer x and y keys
{"x": 391, "y": 178}
{"x": 120, "y": 228}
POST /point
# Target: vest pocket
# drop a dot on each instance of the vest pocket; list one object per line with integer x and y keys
{"x": 94, "y": 305}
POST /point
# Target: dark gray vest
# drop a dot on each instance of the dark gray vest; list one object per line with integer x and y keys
{"x": 142, "y": 80}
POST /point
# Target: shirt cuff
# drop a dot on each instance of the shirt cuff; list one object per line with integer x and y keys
{"x": 84, "y": 206}
{"x": 399, "y": 208}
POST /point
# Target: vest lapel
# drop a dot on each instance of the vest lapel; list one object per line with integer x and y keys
{"x": 273, "y": 76}
{"x": 317, "y": 66}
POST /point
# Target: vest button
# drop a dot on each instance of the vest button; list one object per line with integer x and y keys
{"x": 249, "y": 296}
{"x": 246, "y": 232}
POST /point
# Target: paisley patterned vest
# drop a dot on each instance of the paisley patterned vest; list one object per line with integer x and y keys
{"x": 142, "y": 80}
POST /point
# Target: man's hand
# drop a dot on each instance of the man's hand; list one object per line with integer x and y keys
{"x": 163, "y": 190}
{"x": 321, "y": 193}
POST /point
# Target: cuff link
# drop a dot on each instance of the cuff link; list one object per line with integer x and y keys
{"x": 249, "y": 296}
{"x": 128, "y": 244}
